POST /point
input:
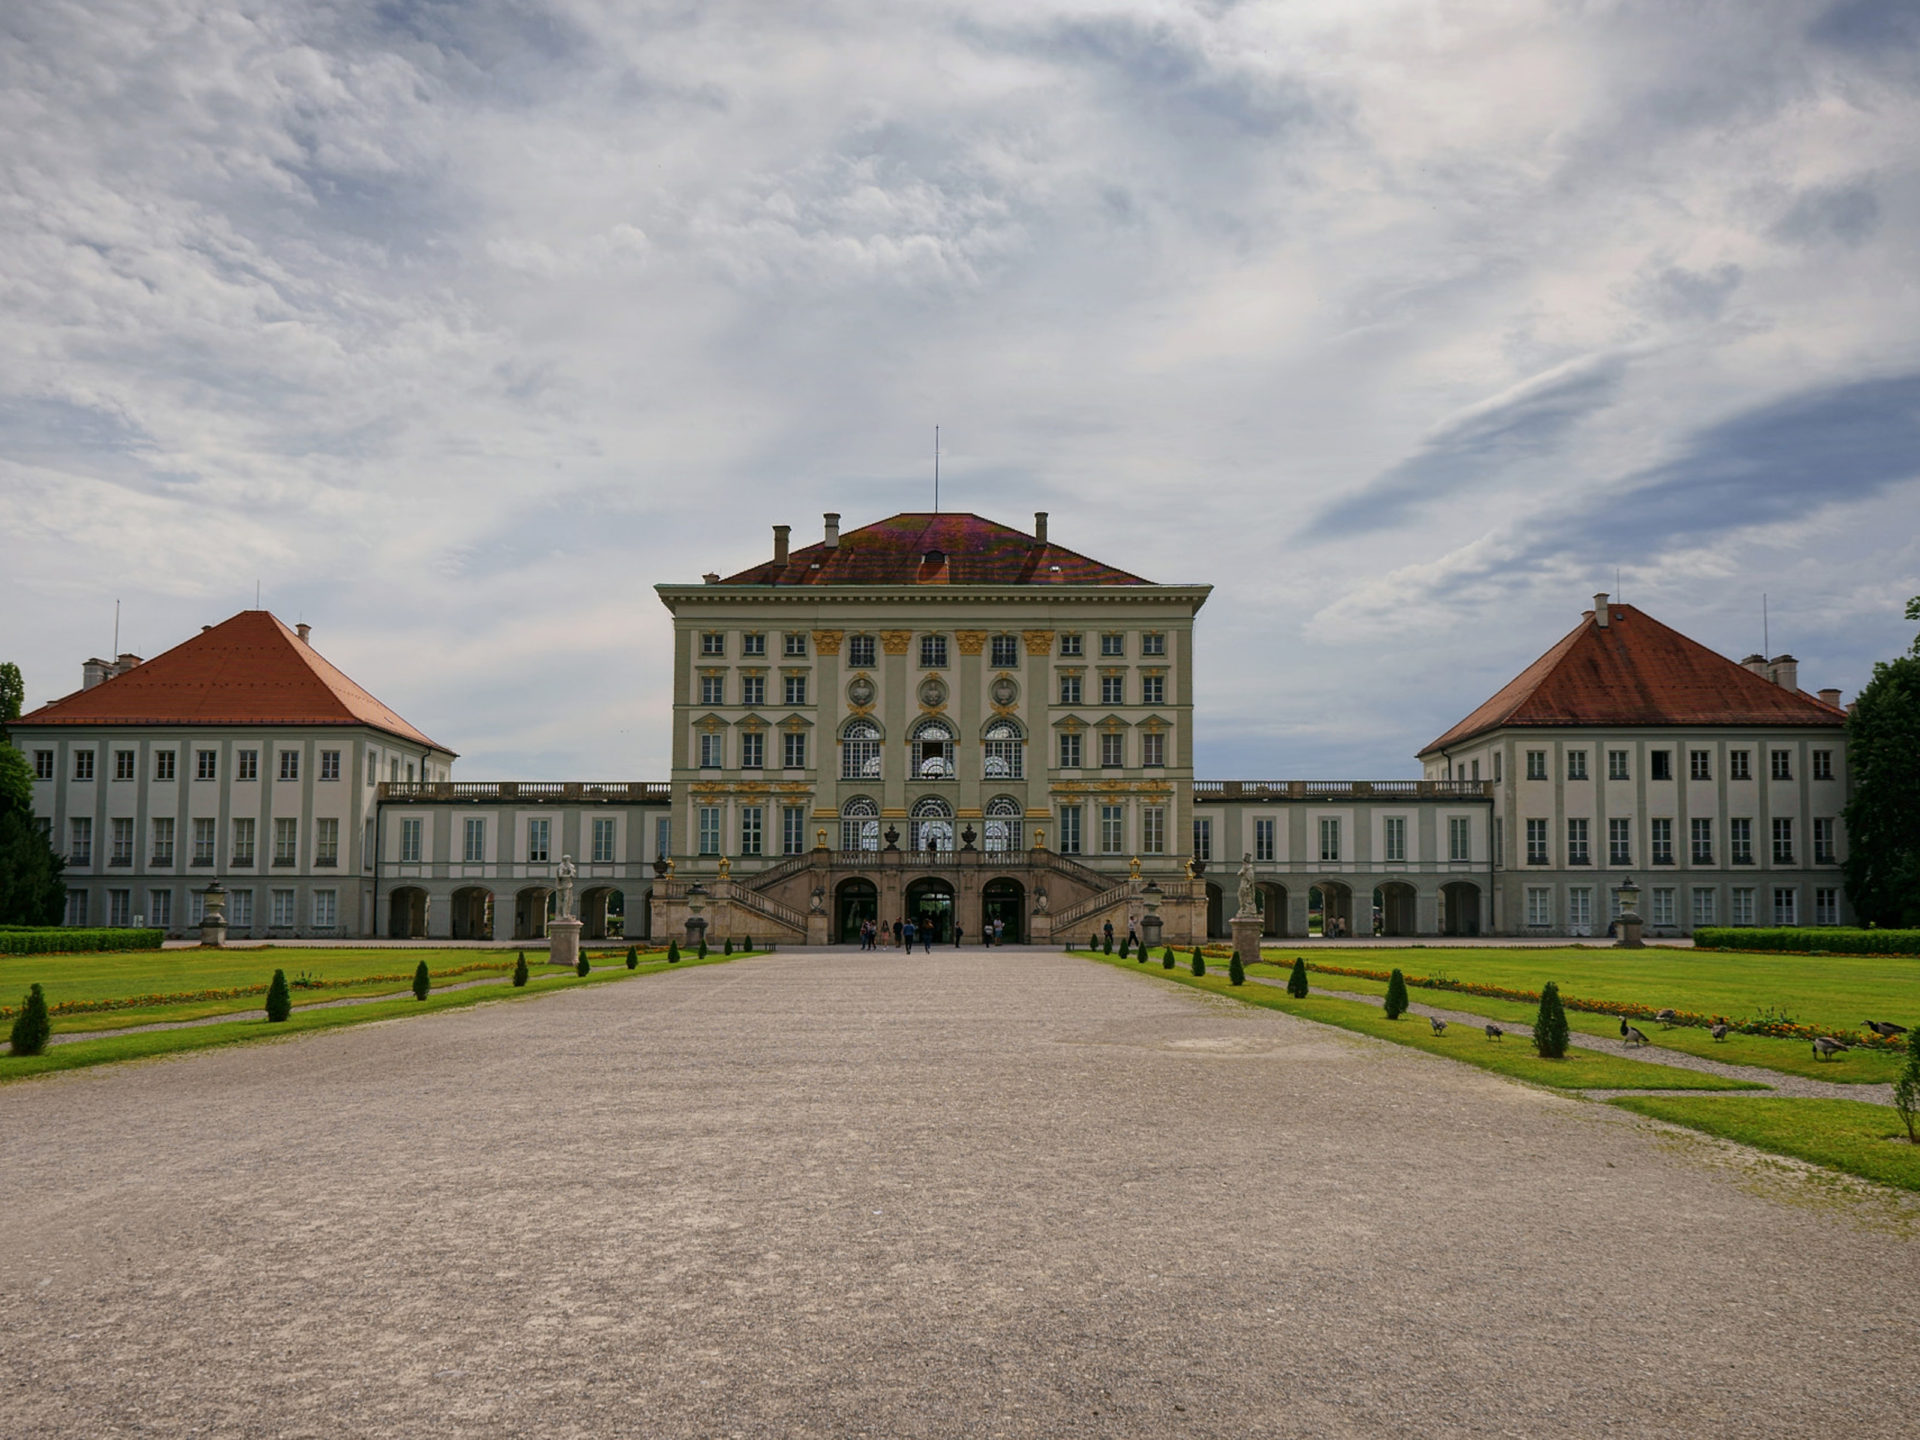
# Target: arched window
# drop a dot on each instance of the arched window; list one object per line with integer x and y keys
{"x": 860, "y": 824}
{"x": 1002, "y": 825}
{"x": 932, "y": 750}
{"x": 930, "y": 823}
{"x": 860, "y": 751}
{"x": 1004, "y": 748}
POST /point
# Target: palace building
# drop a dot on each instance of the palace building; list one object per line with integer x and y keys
{"x": 941, "y": 716}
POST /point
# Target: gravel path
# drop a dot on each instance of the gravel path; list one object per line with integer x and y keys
{"x": 976, "y": 1193}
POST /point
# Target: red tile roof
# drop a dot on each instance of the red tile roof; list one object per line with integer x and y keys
{"x": 1637, "y": 671}
{"x": 250, "y": 670}
{"x": 973, "y": 551}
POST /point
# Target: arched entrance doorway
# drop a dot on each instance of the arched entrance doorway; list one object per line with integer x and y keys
{"x": 1394, "y": 902}
{"x": 854, "y": 902}
{"x": 407, "y": 913}
{"x": 1006, "y": 901}
{"x": 1460, "y": 908}
{"x": 1216, "y": 912}
{"x": 601, "y": 913}
{"x": 530, "y": 908}
{"x": 1331, "y": 903}
{"x": 473, "y": 913}
{"x": 930, "y": 902}
{"x": 1273, "y": 909}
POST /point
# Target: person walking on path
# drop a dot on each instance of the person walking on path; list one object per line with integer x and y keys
{"x": 957, "y": 932}
{"x": 926, "y": 935}
{"x": 910, "y": 929}
{"x": 999, "y": 931}
{"x": 897, "y": 929}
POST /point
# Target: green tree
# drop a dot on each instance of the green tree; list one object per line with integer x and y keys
{"x": 422, "y": 981}
{"x": 1166, "y": 958}
{"x": 31, "y": 890}
{"x": 31, "y": 1027}
{"x": 633, "y": 958}
{"x": 1883, "y": 815}
{"x": 1199, "y": 964}
{"x": 13, "y": 694}
{"x": 1297, "y": 980}
{"x": 581, "y": 967}
{"x": 279, "y": 998}
{"x": 1906, "y": 1090}
{"x": 1396, "y": 995}
{"x": 1236, "y": 972}
{"x": 1550, "y": 1032}
{"x": 520, "y": 969}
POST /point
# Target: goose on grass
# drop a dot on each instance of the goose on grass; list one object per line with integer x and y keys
{"x": 1633, "y": 1034}
{"x": 1718, "y": 1030}
{"x": 1825, "y": 1047}
{"x": 1494, "y": 1032}
{"x": 1886, "y": 1029}
{"x": 1439, "y": 1025}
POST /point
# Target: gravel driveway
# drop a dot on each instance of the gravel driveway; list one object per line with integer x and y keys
{"x": 973, "y": 1193}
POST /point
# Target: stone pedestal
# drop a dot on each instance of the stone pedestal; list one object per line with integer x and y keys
{"x": 565, "y": 936}
{"x": 1626, "y": 931}
{"x": 1150, "y": 932}
{"x": 1246, "y": 937}
{"x": 212, "y": 935}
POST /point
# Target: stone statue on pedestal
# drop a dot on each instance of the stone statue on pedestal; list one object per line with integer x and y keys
{"x": 565, "y": 874}
{"x": 1249, "y": 900}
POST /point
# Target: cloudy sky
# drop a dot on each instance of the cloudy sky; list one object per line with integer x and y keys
{"x": 458, "y": 326}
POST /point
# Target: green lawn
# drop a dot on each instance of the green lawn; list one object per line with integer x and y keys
{"x": 1580, "y": 1070}
{"x": 1861, "y": 1139}
{"x": 1789, "y": 1057}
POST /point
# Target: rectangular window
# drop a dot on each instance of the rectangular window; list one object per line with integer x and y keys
{"x": 712, "y": 744}
{"x": 1536, "y": 764}
{"x": 43, "y": 764}
{"x": 1660, "y": 842}
{"x": 602, "y": 840}
{"x": 1662, "y": 905}
{"x": 1580, "y": 910}
{"x": 1496, "y": 767}
{"x": 1783, "y": 765}
{"x": 1826, "y": 905}
{"x": 709, "y": 829}
{"x": 1329, "y": 838}
{"x": 473, "y": 841}
{"x": 1069, "y": 689}
{"x": 793, "y": 750}
{"x": 1476, "y": 770}
{"x": 119, "y": 907}
{"x": 1113, "y": 689}
{"x": 1113, "y": 829}
{"x": 162, "y": 840}
{"x": 1539, "y": 903}
{"x": 1263, "y": 839}
{"x": 247, "y": 765}
{"x": 1536, "y": 842}
{"x": 1153, "y": 689}
{"x": 1702, "y": 832}
{"x": 1153, "y": 749}
{"x": 1700, "y": 764}
{"x": 713, "y": 642}
{"x": 1740, "y": 765}
{"x": 1576, "y": 765}
{"x": 410, "y": 831}
{"x": 122, "y": 852}
{"x": 203, "y": 839}
{"x": 753, "y": 750}
{"x": 1113, "y": 750}
{"x": 754, "y": 642}
{"x": 243, "y": 842}
{"x": 329, "y": 764}
{"x": 83, "y": 764}
{"x": 1823, "y": 765}
{"x": 1112, "y": 642}
{"x": 1619, "y": 842}
{"x": 163, "y": 763}
{"x": 794, "y": 645}
{"x": 793, "y": 829}
{"x": 1577, "y": 853}
{"x": 1153, "y": 830}
{"x": 1069, "y": 829}
{"x": 240, "y": 910}
{"x": 1617, "y": 765}
{"x": 539, "y": 841}
{"x": 1661, "y": 762}
{"x": 326, "y": 909}
{"x": 76, "y": 907}
{"x": 1783, "y": 842}
{"x": 1704, "y": 907}
{"x": 713, "y": 689}
{"x": 1786, "y": 905}
{"x": 1006, "y": 652}
{"x": 1459, "y": 838}
{"x": 1202, "y": 838}
{"x": 1740, "y": 840}
{"x": 283, "y": 909}
{"x": 1742, "y": 905}
{"x": 1393, "y": 837}
{"x": 796, "y": 689}
{"x": 289, "y": 765}
{"x": 1070, "y": 645}
{"x": 860, "y": 652}
{"x": 1823, "y": 852}
{"x": 662, "y": 835}
{"x": 933, "y": 652}
{"x": 1069, "y": 751}
{"x": 205, "y": 764}
{"x": 1499, "y": 856}
{"x": 860, "y": 753}
{"x": 122, "y": 765}
{"x": 753, "y": 689}
{"x": 1153, "y": 642}
{"x": 752, "y": 823}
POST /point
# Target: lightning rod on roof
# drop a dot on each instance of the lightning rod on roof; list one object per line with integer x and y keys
{"x": 1766, "y": 631}
{"x": 116, "y": 629}
{"x": 936, "y": 469}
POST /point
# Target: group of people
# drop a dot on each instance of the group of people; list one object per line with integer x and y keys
{"x": 904, "y": 933}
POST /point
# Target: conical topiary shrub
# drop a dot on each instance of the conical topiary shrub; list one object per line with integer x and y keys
{"x": 31, "y": 1027}
{"x": 1297, "y": 981}
{"x": 1236, "y": 972}
{"x": 1166, "y": 958}
{"x": 1125, "y": 940}
{"x": 633, "y": 958}
{"x": 1396, "y": 995}
{"x": 1199, "y": 964}
{"x": 1107, "y": 945}
{"x": 673, "y": 952}
{"x": 1550, "y": 1024}
{"x": 1093, "y": 942}
{"x": 580, "y": 966}
{"x": 279, "y": 998}
{"x": 702, "y": 954}
{"x": 520, "y": 969}
{"x": 422, "y": 981}
{"x": 727, "y": 949}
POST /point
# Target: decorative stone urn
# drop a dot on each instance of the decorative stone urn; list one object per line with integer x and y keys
{"x": 1628, "y": 924}
{"x": 213, "y": 917}
{"x": 1150, "y": 922}
{"x": 696, "y": 918}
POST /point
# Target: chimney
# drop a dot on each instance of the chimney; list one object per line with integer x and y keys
{"x": 1757, "y": 664}
{"x": 303, "y": 630}
{"x": 1831, "y": 697}
{"x": 93, "y": 672}
{"x": 1600, "y": 611}
{"x": 1040, "y": 527}
{"x": 711, "y": 578}
{"x": 832, "y": 517}
{"x": 124, "y": 662}
{"x": 780, "y": 534}
{"x": 1784, "y": 671}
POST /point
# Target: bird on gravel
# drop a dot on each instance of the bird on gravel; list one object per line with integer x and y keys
{"x": 1633, "y": 1034}
{"x": 1719, "y": 1031}
{"x": 1439, "y": 1025}
{"x": 1825, "y": 1047}
{"x": 1494, "y": 1032}
{"x": 1886, "y": 1029}
{"x": 1667, "y": 1018}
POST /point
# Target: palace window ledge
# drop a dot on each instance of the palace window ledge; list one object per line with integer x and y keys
{"x": 206, "y": 860}
{"x": 1661, "y": 860}
{"x": 121, "y": 860}
{"x": 327, "y": 862}
{"x": 160, "y": 862}
{"x": 241, "y": 862}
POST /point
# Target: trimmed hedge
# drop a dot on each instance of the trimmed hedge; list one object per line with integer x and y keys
{"x": 1808, "y": 940}
{"x": 62, "y": 940}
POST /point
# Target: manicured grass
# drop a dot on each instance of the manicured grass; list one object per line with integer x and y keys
{"x": 82, "y": 1053}
{"x": 1844, "y": 1135}
{"x": 1789, "y": 1057}
{"x": 1580, "y": 1070}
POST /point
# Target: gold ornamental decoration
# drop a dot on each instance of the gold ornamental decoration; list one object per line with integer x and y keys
{"x": 895, "y": 642}
{"x": 827, "y": 642}
{"x": 1039, "y": 642}
{"x": 971, "y": 642}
